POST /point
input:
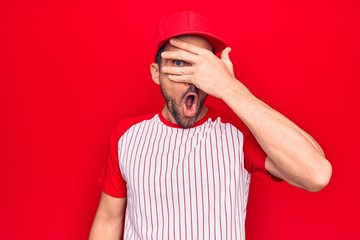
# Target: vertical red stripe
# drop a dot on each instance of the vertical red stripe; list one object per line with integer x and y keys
{"x": 219, "y": 178}
{"x": 183, "y": 178}
{"x": 168, "y": 200}
{"x": 162, "y": 143}
{"x": 150, "y": 181}
{"x": 161, "y": 194}
{"x": 172, "y": 184}
{"x": 213, "y": 179}
{"x": 178, "y": 180}
{"x": 148, "y": 146}
{"x": 235, "y": 182}
{"x": 207, "y": 182}
{"x": 140, "y": 173}
{"x": 132, "y": 175}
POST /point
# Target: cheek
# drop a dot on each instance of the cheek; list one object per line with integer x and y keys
{"x": 202, "y": 95}
{"x": 168, "y": 89}
{"x": 175, "y": 89}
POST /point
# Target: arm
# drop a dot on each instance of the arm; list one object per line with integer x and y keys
{"x": 109, "y": 219}
{"x": 293, "y": 155}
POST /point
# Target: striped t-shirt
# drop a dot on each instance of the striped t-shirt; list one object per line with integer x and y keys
{"x": 183, "y": 183}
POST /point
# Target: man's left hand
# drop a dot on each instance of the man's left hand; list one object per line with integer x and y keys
{"x": 207, "y": 72}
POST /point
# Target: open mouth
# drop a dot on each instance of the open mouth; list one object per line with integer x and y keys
{"x": 189, "y": 100}
{"x": 190, "y": 105}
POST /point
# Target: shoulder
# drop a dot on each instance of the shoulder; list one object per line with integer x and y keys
{"x": 125, "y": 124}
{"x": 227, "y": 117}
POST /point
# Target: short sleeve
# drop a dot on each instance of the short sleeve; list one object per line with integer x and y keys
{"x": 111, "y": 179}
{"x": 254, "y": 155}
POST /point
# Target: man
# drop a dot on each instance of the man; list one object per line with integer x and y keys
{"x": 184, "y": 172}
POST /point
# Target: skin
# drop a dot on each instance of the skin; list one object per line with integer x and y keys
{"x": 292, "y": 154}
{"x": 109, "y": 219}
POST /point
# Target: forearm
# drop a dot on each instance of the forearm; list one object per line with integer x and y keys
{"x": 294, "y": 153}
{"x": 109, "y": 219}
{"x": 104, "y": 231}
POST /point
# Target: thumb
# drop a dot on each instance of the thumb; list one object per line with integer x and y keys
{"x": 225, "y": 53}
{"x": 226, "y": 59}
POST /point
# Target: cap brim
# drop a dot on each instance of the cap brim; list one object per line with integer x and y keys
{"x": 216, "y": 42}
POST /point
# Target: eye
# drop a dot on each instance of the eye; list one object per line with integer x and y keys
{"x": 179, "y": 63}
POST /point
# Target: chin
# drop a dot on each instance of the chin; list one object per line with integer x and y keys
{"x": 187, "y": 122}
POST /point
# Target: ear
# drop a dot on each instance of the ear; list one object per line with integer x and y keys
{"x": 155, "y": 72}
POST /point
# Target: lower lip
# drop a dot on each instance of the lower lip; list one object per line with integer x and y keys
{"x": 189, "y": 112}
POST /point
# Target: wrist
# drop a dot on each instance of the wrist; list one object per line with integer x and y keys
{"x": 237, "y": 91}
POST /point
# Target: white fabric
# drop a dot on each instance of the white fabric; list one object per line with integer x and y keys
{"x": 184, "y": 183}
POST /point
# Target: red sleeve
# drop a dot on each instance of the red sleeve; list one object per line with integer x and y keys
{"x": 254, "y": 155}
{"x": 111, "y": 179}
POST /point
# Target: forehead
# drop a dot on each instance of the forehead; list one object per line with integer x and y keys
{"x": 196, "y": 40}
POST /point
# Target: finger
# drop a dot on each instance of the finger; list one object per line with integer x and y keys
{"x": 178, "y": 70}
{"x": 189, "y": 47}
{"x": 180, "y": 55}
{"x": 180, "y": 78}
{"x": 226, "y": 59}
{"x": 225, "y": 53}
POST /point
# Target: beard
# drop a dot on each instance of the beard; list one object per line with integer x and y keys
{"x": 174, "y": 107}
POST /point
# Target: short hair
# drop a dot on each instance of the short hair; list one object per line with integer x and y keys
{"x": 158, "y": 57}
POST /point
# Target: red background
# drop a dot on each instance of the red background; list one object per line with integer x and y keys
{"x": 69, "y": 70}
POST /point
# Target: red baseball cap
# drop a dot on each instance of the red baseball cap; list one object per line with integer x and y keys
{"x": 185, "y": 23}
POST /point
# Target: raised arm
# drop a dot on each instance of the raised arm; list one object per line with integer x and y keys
{"x": 109, "y": 219}
{"x": 293, "y": 155}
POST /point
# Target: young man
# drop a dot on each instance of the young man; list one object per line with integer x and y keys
{"x": 184, "y": 173}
